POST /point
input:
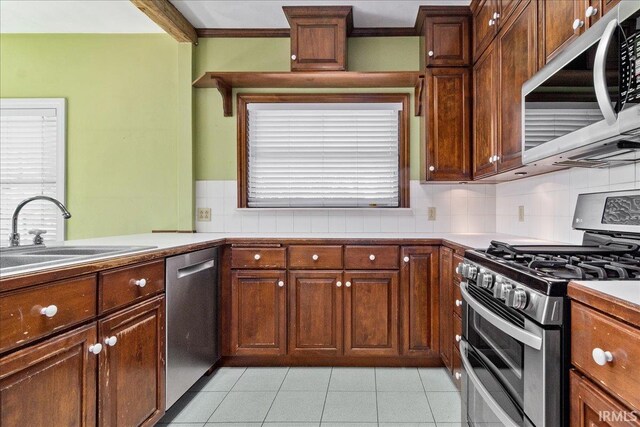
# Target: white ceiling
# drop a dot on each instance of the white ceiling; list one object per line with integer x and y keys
{"x": 121, "y": 16}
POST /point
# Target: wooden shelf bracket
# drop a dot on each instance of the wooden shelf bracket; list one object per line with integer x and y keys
{"x": 226, "y": 93}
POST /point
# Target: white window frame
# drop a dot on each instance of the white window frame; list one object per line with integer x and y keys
{"x": 60, "y": 105}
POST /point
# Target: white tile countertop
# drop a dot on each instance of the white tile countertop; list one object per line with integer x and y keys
{"x": 163, "y": 241}
{"x": 624, "y": 290}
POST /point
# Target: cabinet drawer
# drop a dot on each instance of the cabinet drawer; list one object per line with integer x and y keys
{"x": 593, "y": 330}
{"x": 310, "y": 257}
{"x": 371, "y": 257}
{"x": 134, "y": 283}
{"x": 258, "y": 258}
{"x": 69, "y": 302}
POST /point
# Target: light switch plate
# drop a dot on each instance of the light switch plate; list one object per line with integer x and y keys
{"x": 431, "y": 214}
{"x": 521, "y": 213}
{"x": 204, "y": 214}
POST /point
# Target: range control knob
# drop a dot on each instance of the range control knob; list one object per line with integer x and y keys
{"x": 497, "y": 286}
{"x": 518, "y": 299}
{"x": 505, "y": 290}
{"x": 459, "y": 268}
{"x": 472, "y": 272}
{"x": 485, "y": 280}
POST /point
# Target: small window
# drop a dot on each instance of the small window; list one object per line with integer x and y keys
{"x": 323, "y": 151}
{"x": 32, "y": 154}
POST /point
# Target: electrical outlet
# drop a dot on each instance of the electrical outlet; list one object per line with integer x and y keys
{"x": 431, "y": 214}
{"x": 204, "y": 214}
{"x": 521, "y": 213}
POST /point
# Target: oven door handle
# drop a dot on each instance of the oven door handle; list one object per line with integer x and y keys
{"x": 520, "y": 335}
{"x": 482, "y": 390}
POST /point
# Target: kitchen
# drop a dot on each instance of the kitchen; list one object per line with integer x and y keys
{"x": 320, "y": 212}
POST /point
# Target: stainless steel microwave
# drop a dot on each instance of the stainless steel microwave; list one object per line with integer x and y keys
{"x": 583, "y": 108}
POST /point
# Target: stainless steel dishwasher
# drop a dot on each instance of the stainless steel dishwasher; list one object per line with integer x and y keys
{"x": 192, "y": 313}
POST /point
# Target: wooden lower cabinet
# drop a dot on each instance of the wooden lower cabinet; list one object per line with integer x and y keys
{"x": 52, "y": 383}
{"x": 315, "y": 313}
{"x": 371, "y": 313}
{"x": 132, "y": 371}
{"x": 258, "y": 312}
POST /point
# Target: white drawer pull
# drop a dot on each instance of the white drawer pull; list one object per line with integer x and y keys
{"x": 431, "y": 53}
{"x": 256, "y": 257}
{"x": 458, "y": 338}
{"x": 281, "y": 283}
{"x": 406, "y": 259}
{"x": 578, "y": 23}
{"x": 338, "y": 283}
{"x": 95, "y": 348}
{"x": 348, "y": 284}
{"x": 111, "y": 341}
{"x": 49, "y": 311}
{"x": 141, "y": 283}
{"x": 315, "y": 257}
{"x": 458, "y": 375}
{"x": 372, "y": 257}
{"x": 458, "y": 303}
{"x": 601, "y": 357}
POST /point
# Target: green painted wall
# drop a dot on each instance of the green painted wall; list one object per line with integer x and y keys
{"x": 215, "y": 135}
{"x": 129, "y": 158}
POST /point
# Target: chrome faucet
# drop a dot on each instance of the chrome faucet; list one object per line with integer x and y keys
{"x": 14, "y": 237}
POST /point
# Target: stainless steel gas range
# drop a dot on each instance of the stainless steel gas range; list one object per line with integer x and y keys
{"x": 515, "y": 343}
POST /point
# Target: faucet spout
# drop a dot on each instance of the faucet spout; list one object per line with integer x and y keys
{"x": 14, "y": 238}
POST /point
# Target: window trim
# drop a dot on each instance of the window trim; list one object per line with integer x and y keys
{"x": 403, "y": 138}
{"x": 60, "y": 105}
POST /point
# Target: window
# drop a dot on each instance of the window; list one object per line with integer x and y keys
{"x": 32, "y": 153}
{"x": 323, "y": 151}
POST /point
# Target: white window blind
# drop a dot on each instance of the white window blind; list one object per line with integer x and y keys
{"x": 31, "y": 163}
{"x": 323, "y": 155}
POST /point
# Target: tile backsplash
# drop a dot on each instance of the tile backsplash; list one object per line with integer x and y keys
{"x": 460, "y": 208}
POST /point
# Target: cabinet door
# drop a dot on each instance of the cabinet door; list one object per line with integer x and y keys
{"x": 591, "y": 407}
{"x": 607, "y": 5}
{"x": 485, "y": 112}
{"x": 258, "y": 312}
{"x": 447, "y": 41}
{"x": 52, "y": 383}
{"x": 448, "y": 121}
{"x": 315, "y": 313}
{"x": 592, "y": 15}
{"x": 517, "y": 56}
{"x": 484, "y": 26}
{"x": 132, "y": 370}
{"x": 318, "y": 44}
{"x": 371, "y": 313}
{"x": 446, "y": 306}
{"x": 506, "y": 9}
{"x": 419, "y": 300}
{"x": 556, "y": 26}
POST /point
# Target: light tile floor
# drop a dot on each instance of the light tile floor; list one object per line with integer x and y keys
{"x": 327, "y": 397}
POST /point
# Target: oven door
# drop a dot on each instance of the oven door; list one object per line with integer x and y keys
{"x": 513, "y": 365}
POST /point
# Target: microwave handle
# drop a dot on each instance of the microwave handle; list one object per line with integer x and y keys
{"x": 482, "y": 390}
{"x": 600, "y": 73}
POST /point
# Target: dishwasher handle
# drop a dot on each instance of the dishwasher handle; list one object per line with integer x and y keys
{"x": 195, "y": 268}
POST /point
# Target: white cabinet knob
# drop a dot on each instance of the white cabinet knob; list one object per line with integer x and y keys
{"x": 578, "y": 23}
{"x": 281, "y": 283}
{"x": 496, "y": 15}
{"x": 293, "y": 57}
{"x": 372, "y": 257}
{"x": 49, "y": 311}
{"x": 458, "y": 375}
{"x": 492, "y": 22}
{"x": 315, "y": 257}
{"x": 458, "y": 303}
{"x": 458, "y": 338}
{"x": 256, "y": 257}
{"x": 111, "y": 341}
{"x": 430, "y": 53}
{"x": 432, "y": 168}
{"x": 601, "y": 357}
{"x": 141, "y": 283}
{"x": 95, "y": 348}
{"x": 348, "y": 284}
{"x": 496, "y": 158}
{"x": 591, "y": 11}
{"x": 405, "y": 259}
{"x": 490, "y": 159}
{"x": 339, "y": 284}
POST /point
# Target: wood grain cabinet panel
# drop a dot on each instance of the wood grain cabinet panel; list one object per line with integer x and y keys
{"x": 371, "y": 257}
{"x": 123, "y": 286}
{"x": 309, "y": 257}
{"x": 447, "y": 41}
{"x": 556, "y": 26}
{"x": 371, "y": 313}
{"x": 52, "y": 383}
{"x": 419, "y": 300}
{"x": 506, "y": 9}
{"x": 607, "y": 5}
{"x": 258, "y": 312}
{"x": 446, "y": 307}
{"x": 485, "y": 107}
{"x": 315, "y": 313}
{"x": 70, "y": 302}
{"x": 448, "y": 121}
{"x": 485, "y": 26}
{"x": 132, "y": 371}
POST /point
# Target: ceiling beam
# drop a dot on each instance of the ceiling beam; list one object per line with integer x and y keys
{"x": 163, "y": 13}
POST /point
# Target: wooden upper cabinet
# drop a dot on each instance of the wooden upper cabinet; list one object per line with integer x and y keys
{"x": 518, "y": 62}
{"x": 556, "y": 26}
{"x": 319, "y": 37}
{"x": 446, "y": 306}
{"x": 258, "y": 312}
{"x": 315, "y": 313}
{"x": 485, "y": 28}
{"x": 448, "y": 122}
{"x": 371, "y": 313}
{"x": 419, "y": 290}
{"x": 52, "y": 383}
{"x": 446, "y": 41}
{"x": 132, "y": 370}
{"x": 485, "y": 100}
{"x": 507, "y": 7}
{"x": 607, "y": 5}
